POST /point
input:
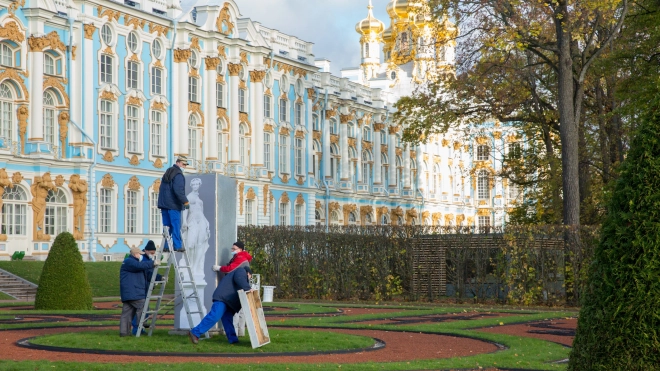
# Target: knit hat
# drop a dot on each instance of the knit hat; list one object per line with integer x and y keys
{"x": 240, "y": 245}
{"x": 135, "y": 250}
{"x": 151, "y": 246}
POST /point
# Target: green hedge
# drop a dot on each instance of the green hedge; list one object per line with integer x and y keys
{"x": 63, "y": 284}
{"x": 520, "y": 264}
{"x": 619, "y": 324}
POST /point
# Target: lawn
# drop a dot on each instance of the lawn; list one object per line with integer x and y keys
{"x": 4, "y": 296}
{"x": 283, "y": 340}
{"x": 103, "y": 276}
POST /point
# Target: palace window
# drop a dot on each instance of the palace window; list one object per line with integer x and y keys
{"x": 193, "y": 140}
{"x": 106, "y": 69}
{"x": 334, "y": 127}
{"x": 156, "y": 133}
{"x": 335, "y": 163}
{"x": 156, "y": 81}
{"x": 249, "y": 212}
{"x": 193, "y": 60}
{"x": 132, "y": 129}
{"x": 284, "y": 213}
{"x": 366, "y": 134}
{"x": 106, "y": 199}
{"x": 132, "y": 73}
{"x": 299, "y": 214}
{"x": 299, "y": 156}
{"x": 299, "y": 117}
{"x": 515, "y": 152}
{"x": 241, "y": 100}
{"x": 219, "y": 94}
{"x": 514, "y": 191}
{"x": 132, "y": 41}
{"x": 384, "y": 174}
{"x": 156, "y": 49}
{"x": 283, "y": 111}
{"x": 267, "y": 152}
{"x": 316, "y": 123}
{"x": 6, "y": 55}
{"x": 483, "y": 153}
{"x": 366, "y": 50}
{"x": 14, "y": 211}
{"x": 155, "y": 218}
{"x": 49, "y": 64}
{"x": 243, "y": 144}
{"x": 351, "y": 131}
{"x": 221, "y": 140}
{"x": 284, "y": 154}
{"x": 483, "y": 185}
{"x": 55, "y": 219}
{"x": 107, "y": 121}
{"x": 49, "y": 118}
{"x": 6, "y": 111}
{"x": 106, "y": 34}
{"x": 268, "y": 106}
{"x": 366, "y": 171}
{"x": 193, "y": 89}
{"x": 131, "y": 211}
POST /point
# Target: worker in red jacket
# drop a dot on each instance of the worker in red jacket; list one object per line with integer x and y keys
{"x": 240, "y": 258}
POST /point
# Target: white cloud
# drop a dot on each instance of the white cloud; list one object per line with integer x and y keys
{"x": 329, "y": 24}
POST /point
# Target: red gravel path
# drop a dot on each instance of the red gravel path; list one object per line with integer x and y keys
{"x": 540, "y": 330}
{"x": 399, "y": 347}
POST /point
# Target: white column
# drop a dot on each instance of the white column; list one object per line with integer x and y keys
{"x": 326, "y": 147}
{"x": 343, "y": 140}
{"x": 257, "y": 95}
{"x": 234, "y": 70}
{"x": 378, "y": 164}
{"x": 391, "y": 153}
{"x": 182, "y": 124}
{"x": 36, "y": 95}
{"x": 75, "y": 112}
{"x": 406, "y": 166}
{"x": 210, "y": 129}
{"x": 420, "y": 169}
{"x": 309, "y": 140}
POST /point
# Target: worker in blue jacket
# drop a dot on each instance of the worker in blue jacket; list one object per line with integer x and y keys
{"x": 149, "y": 252}
{"x": 225, "y": 304}
{"x": 133, "y": 287}
{"x": 172, "y": 200}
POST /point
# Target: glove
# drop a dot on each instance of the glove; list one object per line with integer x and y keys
{"x": 216, "y": 268}
{"x": 186, "y": 206}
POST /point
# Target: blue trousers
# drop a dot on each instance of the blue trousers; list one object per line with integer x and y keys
{"x": 135, "y": 323}
{"x": 219, "y": 311}
{"x": 172, "y": 219}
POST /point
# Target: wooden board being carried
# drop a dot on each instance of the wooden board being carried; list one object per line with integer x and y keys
{"x": 254, "y": 318}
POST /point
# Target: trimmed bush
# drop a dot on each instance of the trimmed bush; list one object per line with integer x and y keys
{"x": 619, "y": 323}
{"x": 63, "y": 284}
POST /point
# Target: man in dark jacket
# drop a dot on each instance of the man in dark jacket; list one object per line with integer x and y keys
{"x": 132, "y": 287}
{"x": 172, "y": 199}
{"x": 225, "y": 304}
{"x": 149, "y": 252}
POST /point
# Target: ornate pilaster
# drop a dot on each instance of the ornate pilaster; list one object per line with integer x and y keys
{"x": 36, "y": 61}
{"x": 79, "y": 190}
{"x": 180, "y": 106}
{"x": 210, "y": 107}
{"x": 234, "y": 114}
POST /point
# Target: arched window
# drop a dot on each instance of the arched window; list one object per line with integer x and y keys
{"x": 366, "y": 134}
{"x": 483, "y": 185}
{"x": 49, "y": 118}
{"x": 383, "y": 137}
{"x": 366, "y": 168}
{"x": 14, "y": 211}
{"x": 220, "y": 132}
{"x": 352, "y": 219}
{"x": 284, "y": 213}
{"x": 398, "y": 140}
{"x": 316, "y": 123}
{"x": 193, "y": 139}
{"x": 133, "y": 126}
{"x": 6, "y": 55}
{"x": 334, "y": 127}
{"x": 299, "y": 218}
{"x": 367, "y": 219}
{"x": 436, "y": 178}
{"x": 483, "y": 153}
{"x": 6, "y": 111}
{"x": 299, "y": 153}
{"x": 49, "y": 64}
{"x": 243, "y": 144}
{"x": 384, "y": 220}
{"x": 193, "y": 89}
{"x": 317, "y": 216}
{"x": 155, "y": 218}
{"x": 268, "y": 151}
{"x": 384, "y": 174}
{"x": 249, "y": 212}
{"x": 334, "y": 218}
{"x": 284, "y": 154}
{"x": 335, "y": 163}
{"x": 156, "y": 133}
{"x": 351, "y": 130}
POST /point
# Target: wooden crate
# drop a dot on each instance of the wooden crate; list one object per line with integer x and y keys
{"x": 254, "y": 318}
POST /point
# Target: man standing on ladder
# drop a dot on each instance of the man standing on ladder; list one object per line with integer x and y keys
{"x": 172, "y": 200}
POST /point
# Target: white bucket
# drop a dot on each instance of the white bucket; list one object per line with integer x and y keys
{"x": 268, "y": 294}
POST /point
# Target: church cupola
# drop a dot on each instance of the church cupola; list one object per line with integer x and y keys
{"x": 371, "y": 30}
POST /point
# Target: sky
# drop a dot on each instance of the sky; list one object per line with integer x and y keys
{"x": 329, "y": 24}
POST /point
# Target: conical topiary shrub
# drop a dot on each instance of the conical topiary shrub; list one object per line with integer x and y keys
{"x": 63, "y": 284}
{"x": 619, "y": 323}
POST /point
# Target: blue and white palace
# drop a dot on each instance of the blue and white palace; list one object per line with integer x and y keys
{"x": 98, "y": 97}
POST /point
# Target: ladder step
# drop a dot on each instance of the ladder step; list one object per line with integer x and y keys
{"x": 155, "y": 297}
{"x": 195, "y": 312}
{"x": 187, "y": 281}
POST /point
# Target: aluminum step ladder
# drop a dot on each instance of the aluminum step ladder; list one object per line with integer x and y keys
{"x": 183, "y": 275}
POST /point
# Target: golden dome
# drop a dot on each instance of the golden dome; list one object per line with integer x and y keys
{"x": 387, "y": 35}
{"x": 369, "y": 24}
{"x": 400, "y": 8}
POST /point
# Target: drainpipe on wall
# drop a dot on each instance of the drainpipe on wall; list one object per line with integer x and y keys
{"x": 91, "y": 176}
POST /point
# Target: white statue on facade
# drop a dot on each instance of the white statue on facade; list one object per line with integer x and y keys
{"x": 196, "y": 232}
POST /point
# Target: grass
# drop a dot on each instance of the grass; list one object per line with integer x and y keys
{"x": 4, "y": 296}
{"x": 283, "y": 340}
{"x": 103, "y": 276}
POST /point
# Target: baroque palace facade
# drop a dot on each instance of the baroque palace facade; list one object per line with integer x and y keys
{"x": 98, "y": 97}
